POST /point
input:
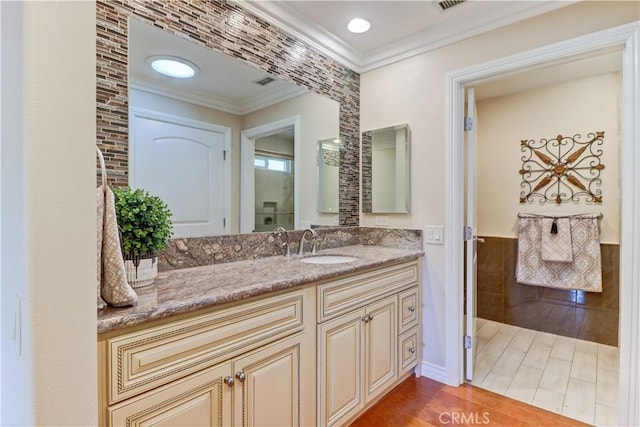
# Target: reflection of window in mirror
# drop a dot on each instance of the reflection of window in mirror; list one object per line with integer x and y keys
{"x": 328, "y": 173}
{"x": 385, "y": 170}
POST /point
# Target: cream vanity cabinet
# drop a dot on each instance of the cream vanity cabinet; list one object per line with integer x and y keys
{"x": 367, "y": 338}
{"x": 251, "y": 364}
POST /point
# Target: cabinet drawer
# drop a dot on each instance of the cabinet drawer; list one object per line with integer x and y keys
{"x": 407, "y": 351}
{"x": 340, "y": 296}
{"x": 408, "y": 309}
{"x": 146, "y": 359}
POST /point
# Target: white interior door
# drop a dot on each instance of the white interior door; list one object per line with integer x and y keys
{"x": 470, "y": 234}
{"x": 185, "y": 166}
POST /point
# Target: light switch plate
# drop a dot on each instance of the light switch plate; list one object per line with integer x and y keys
{"x": 433, "y": 234}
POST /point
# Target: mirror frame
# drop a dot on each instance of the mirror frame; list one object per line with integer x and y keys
{"x": 367, "y": 170}
{"x": 227, "y": 28}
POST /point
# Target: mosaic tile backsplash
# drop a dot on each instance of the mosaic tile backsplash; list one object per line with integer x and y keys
{"x": 199, "y": 251}
{"x": 226, "y": 28}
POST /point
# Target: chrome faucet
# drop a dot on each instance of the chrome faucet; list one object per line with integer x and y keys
{"x": 279, "y": 231}
{"x": 314, "y": 235}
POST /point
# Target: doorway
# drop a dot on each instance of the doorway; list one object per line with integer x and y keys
{"x": 625, "y": 37}
{"x": 269, "y": 175}
{"x": 186, "y": 163}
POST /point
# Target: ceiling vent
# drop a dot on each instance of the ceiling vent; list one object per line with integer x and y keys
{"x": 265, "y": 80}
{"x": 447, "y": 4}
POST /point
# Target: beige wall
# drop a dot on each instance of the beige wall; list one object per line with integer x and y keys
{"x": 414, "y": 92}
{"x": 319, "y": 119}
{"x": 53, "y": 381}
{"x": 576, "y": 107}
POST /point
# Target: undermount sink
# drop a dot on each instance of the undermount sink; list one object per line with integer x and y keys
{"x": 328, "y": 259}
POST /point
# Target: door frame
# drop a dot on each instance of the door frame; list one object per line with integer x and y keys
{"x": 247, "y": 176}
{"x": 626, "y": 37}
{"x": 142, "y": 113}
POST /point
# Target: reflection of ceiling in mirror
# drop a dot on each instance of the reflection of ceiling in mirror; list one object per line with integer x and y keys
{"x": 223, "y": 83}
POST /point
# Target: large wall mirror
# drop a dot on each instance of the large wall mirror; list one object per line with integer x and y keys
{"x": 230, "y": 149}
{"x": 385, "y": 170}
{"x": 234, "y": 148}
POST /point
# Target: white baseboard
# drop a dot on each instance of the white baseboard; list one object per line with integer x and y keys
{"x": 433, "y": 371}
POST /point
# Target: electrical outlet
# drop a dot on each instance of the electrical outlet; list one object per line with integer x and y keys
{"x": 433, "y": 234}
{"x": 382, "y": 220}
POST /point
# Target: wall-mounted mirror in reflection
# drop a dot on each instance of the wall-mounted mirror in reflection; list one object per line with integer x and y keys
{"x": 328, "y": 170}
{"x": 385, "y": 170}
{"x": 212, "y": 146}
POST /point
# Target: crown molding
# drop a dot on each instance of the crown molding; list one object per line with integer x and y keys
{"x": 222, "y": 104}
{"x": 291, "y": 22}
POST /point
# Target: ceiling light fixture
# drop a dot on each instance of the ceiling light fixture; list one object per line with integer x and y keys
{"x": 173, "y": 66}
{"x": 358, "y": 25}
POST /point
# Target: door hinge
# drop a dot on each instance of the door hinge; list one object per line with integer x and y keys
{"x": 224, "y": 222}
{"x": 468, "y": 124}
{"x": 467, "y": 341}
{"x": 224, "y": 154}
{"x": 468, "y": 233}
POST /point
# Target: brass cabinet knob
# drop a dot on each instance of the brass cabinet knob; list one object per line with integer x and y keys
{"x": 228, "y": 380}
{"x": 241, "y": 376}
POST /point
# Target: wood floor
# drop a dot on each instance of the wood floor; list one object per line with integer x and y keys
{"x": 424, "y": 402}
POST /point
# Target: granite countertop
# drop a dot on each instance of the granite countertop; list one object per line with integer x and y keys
{"x": 189, "y": 289}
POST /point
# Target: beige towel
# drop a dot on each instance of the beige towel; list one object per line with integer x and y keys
{"x": 556, "y": 247}
{"x": 583, "y": 273}
{"x": 114, "y": 287}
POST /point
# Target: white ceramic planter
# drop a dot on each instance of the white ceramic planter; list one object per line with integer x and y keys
{"x": 143, "y": 274}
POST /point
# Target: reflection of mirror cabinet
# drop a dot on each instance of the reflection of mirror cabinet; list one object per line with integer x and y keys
{"x": 385, "y": 170}
{"x": 328, "y": 170}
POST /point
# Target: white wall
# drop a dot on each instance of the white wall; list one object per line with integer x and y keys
{"x": 576, "y": 107}
{"x": 319, "y": 119}
{"x": 414, "y": 92}
{"x": 48, "y": 198}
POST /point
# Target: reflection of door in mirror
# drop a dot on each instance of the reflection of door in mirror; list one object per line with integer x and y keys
{"x": 183, "y": 162}
{"x": 328, "y": 174}
{"x": 385, "y": 170}
{"x": 274, "y": 186}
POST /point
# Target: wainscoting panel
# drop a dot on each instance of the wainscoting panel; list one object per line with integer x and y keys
{"x": 585, "y": 315}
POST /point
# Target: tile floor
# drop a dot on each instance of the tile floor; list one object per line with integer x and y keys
{"x": 569, "y": 376}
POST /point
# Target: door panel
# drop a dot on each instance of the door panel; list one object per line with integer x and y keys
{"x": 471, "y": 253}
{"x": 380, "y": 346}
{"x": 267, "y": 389}
{"x": 341, "y": 364}
{"x": 185, "y": 167}
{"x": 198, "y": 400}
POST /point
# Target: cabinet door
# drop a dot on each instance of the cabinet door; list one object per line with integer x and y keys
{"x": 201, "y": 399}
{"x": 267, "y": 389}
{"x": 381, "y": 338}
{"x": 340, "y": 346}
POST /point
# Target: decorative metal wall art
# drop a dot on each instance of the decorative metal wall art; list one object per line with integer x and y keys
{"x": 563, "y": 169}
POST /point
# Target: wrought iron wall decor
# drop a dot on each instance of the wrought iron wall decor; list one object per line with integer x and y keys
{"x": 562, "y": 169}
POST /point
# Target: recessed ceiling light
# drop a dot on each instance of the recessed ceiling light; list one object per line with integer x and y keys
{"x": 358, "y": 25}
{"x": 173, "y": 66}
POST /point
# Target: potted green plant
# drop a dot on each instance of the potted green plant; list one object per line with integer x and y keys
{"x": 145, "y": 223}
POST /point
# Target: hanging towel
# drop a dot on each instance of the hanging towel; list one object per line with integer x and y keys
{"x": 583, "y": 273}
{"x": 112, "y": 278}
{"x": 556, "y": 240}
